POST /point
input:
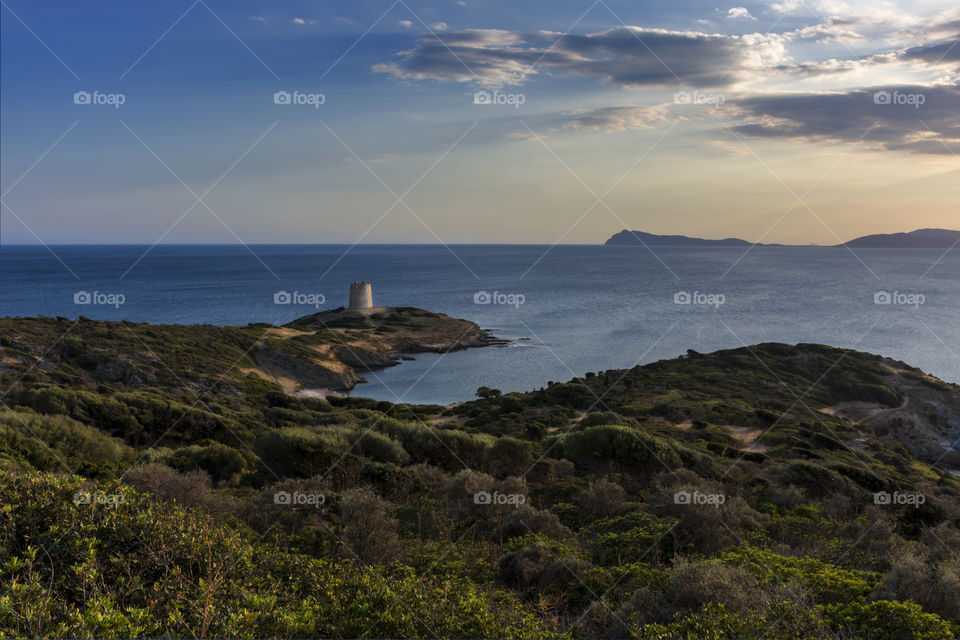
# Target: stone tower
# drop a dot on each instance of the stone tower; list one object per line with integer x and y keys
{"x": 361, "y": 296}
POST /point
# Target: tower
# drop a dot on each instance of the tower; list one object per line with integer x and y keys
{"x": 361, "y": 296}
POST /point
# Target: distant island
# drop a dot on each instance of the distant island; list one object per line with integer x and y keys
{"x": 919, "y": 239}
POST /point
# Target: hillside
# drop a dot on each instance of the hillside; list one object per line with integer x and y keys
{"x": 152, "y": 487}
{"x": 919, "y": 239}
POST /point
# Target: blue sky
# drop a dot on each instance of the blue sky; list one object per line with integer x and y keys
{"x": 760, "y": 120}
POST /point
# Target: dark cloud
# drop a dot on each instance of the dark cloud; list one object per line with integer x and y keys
{"x": 942, "y": 52}
{"x": 628, "y": 56}
{"x": 891, "y": 115}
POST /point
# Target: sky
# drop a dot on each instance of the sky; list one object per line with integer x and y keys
{"x": 213, "y": 121}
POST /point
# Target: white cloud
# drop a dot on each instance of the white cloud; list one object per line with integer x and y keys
{"x": 739, "y": 12}
{"x": 406, "y": 24}
{"x": 259, "y": 19}
{"x": 787, "y": 6}
{"x": 620, "y": 118}
{"x": 526, "y": 136}
{"x": 439, "y": 26}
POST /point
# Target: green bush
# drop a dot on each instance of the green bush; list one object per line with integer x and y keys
{"x": 32, "y": 441}
{"x": 885, "y": 620}
{"x": 146, "y": 568}
{"x": 827, "y": 583}
{"x": 300, "y": 452}
{"x": 224, "y": 464}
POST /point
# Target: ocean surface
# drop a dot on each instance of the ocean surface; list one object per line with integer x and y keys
{"x": 567, "y": 310}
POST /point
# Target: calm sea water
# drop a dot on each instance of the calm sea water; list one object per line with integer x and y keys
{"x": 575, "y": 309}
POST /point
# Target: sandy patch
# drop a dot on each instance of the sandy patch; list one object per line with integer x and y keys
{"x": 748, "y": 436}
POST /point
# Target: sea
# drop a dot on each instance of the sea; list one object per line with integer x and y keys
{"x": 566, "y": 310}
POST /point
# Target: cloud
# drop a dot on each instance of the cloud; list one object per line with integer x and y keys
{"x": 631, "y": 57}
{"x": 787, "y": 6}
{"x": 834, "y": 29}
{"x": 259, "y": 19}
{"x": 946, "y": 52}
{"x": 886, "y": 117}
{"x": 526, "y": 136}
{"x": 619, "y": 118}
{"x": 739, "y": 12}
{"x": 304, "y": 21}
{"x": 439, "y": 26}
{"x": 406, "y": 24}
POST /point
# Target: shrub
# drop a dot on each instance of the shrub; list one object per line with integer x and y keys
{"x": 301, "y": 452}
{"x": 369, "y": 532}
{"x": 58, "y": 443}
{"x": 885, "y": 620}
{"x": 379, "y": 447}
{"x": 934, "y": 585}
{"x": 619, "y": 445}
{"x": 222, "y": 463}
{"x": 539, "y": 569}
{"x": 826, "y": 583}
{"x": 603, "y": 499}
{"x": 634, "y": 537}
{"x": 603, "y": 417}
{"x": 694, "y": 583}
{"x": 509, "y": 456}
{"x": 190, "y": 489}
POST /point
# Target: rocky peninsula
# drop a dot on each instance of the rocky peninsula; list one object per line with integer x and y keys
{"x": 316, "y": 355}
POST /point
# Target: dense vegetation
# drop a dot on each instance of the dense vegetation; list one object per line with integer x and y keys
{"x": 149, "y": 488}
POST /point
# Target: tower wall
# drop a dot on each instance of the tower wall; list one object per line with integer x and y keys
{"x": 361, "y": 296}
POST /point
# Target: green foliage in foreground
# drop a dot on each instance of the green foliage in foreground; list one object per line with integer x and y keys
{"x": 183, "y": 535}
{"x": 146, "y": 568}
